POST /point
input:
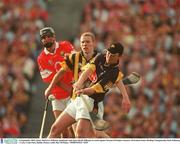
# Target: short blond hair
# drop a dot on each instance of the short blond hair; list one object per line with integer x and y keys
{"x": 89, "y": 34}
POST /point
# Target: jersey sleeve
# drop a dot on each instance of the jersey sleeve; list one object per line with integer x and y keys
{"x": 98, "y": 88}
{"x": 68, "y": 47}
{"x": 108, "y": 80}
{"x": 68, "y": 62}
{"x": 65, "y": 66}
{"x": 120, "y": 76}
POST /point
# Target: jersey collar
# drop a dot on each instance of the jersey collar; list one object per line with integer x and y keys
{"x": 94, "y": 54}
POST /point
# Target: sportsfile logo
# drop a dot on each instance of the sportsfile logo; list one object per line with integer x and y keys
{"x": 9, "y": 141}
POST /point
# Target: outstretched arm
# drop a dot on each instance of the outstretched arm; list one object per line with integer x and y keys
{"x": 87, "y": 91}
{"x": 126, "y": 104}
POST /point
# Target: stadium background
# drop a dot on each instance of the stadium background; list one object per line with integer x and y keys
{"x": 150, "y": 31}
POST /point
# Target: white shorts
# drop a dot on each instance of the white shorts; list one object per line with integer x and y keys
{"x": 79, "y": 109}
{"x": 60, "y": 104}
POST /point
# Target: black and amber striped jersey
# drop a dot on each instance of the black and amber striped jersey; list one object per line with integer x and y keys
{"x": 75, "y": 63}
{"x": 82, "y": 61}
{"x": 107, "y": 76}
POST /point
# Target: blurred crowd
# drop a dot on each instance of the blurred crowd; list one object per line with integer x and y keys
{"x": 150, "y": 32}
{"x": 20, "y": 21}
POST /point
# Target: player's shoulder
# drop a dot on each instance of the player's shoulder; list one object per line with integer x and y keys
{"x": 41, "y": 55}
{"x": 65, "y": 43}
{"x": 66, "y": 46}
{"x": 99, "y": 56}
{"x": 75, "y": 53}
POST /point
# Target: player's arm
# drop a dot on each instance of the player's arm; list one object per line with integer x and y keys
{"x": 90, "y": 68}
{"x": 125, "y": 102}
{"x": 65, "y": 66}
{"x": 56, "y": 78}
{"x": 87, "y": 91}
{"x": 55, "y": 81}
{"x": 96, "y": 88}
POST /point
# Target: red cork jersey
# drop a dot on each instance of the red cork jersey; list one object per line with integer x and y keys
{"x": 49, "y": 64}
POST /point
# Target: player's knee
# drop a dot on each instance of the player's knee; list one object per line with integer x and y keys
{"x": 79, "y": 132}
{"x": 65, "y": 133}
{"x": 101, "y": 134}
{"x": 84, "y": 133}
{"x": 54, "y": 130}
{"x": 71, "y": 133}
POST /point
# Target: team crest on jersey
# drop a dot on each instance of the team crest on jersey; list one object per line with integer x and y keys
{"x": 50, "y": 62}
{"x": 112, "y": 46}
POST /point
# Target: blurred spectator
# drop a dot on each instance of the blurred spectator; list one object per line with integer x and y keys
{"x": 150, "y": 31}
{"x": 20, "y": 21}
